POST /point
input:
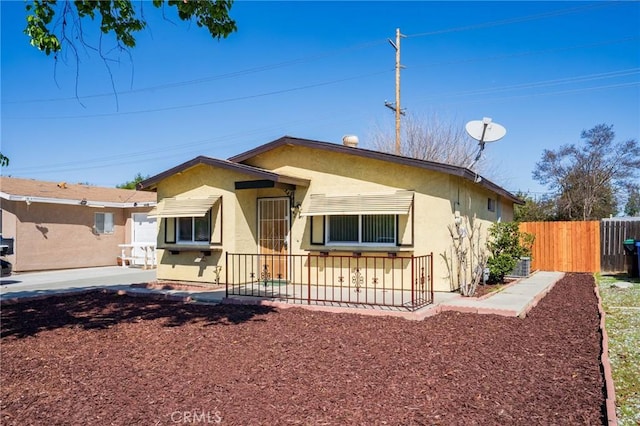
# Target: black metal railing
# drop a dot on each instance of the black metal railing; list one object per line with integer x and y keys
{"x": 398, "y": 282}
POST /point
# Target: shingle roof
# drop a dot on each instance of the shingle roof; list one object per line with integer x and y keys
{"x": 382, "y": 156}
{"x": 238, "y": 163}
{"x": 11, "y": 188}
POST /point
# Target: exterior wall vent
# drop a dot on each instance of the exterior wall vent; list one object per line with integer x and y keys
{"x": 350, "y": 140}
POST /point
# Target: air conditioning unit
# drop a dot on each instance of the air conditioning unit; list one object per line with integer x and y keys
{"x": 523, "y": 267}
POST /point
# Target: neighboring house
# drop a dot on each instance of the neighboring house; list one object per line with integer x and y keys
{"x": 298, "y": 203}
{"x": 52, "y": 225}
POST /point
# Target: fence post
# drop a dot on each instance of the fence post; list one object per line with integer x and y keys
{"x": 413, "y": 284}
{"x": 431, "y": 276}
{"x": 226, "y": 274}
{"x": 308, "y": 278}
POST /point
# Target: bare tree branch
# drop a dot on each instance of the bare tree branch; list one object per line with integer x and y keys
{"x": 430, "y": 138}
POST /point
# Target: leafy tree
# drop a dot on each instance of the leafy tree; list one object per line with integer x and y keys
{"x": 4, "y": 161}
{"x": 133, "y": 184}
{"x": 117, "y": 17}
{"x": 55, "y": 27}
{"x": 588, "y": 179}
{"x": 632, "y": 208}
{"x": 542, "y": 210}
{"x": 507, "y": 244}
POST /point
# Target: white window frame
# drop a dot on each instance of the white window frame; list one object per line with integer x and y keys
{"x": 360, "y": 242}
{"x": 105, "y": 228}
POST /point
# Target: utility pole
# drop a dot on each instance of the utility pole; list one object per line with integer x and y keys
{"x": 396, "y": 107}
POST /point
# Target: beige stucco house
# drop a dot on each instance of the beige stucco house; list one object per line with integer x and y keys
{"x": 50, "y": 225}
{"x": 316, "y": 214}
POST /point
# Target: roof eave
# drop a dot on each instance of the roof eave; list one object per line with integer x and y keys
{"x": 383, "y": 156}
{"x": 151, "y": 183}
{"x": 74, "y": 202}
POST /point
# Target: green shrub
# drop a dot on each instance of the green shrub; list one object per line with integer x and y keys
{"x": 506, "y": 246}
{"x": 499, "y": 266}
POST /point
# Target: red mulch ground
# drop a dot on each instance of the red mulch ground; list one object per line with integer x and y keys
{"x": 487, "y": 289}
{"x": 107, "y": 359}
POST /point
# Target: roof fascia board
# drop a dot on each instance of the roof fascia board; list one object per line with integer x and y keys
{"x": 71, "y": 202}
{"x": 152, "y": 182}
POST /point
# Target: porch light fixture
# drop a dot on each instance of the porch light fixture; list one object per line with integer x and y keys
{"x": 295, "y": 209}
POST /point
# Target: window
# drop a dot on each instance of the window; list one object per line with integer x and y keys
{"x": 491, "y": 204}
{"x": 343, "y": 229}
{"x": 194, "y": 229}
{"x": 362, "y": 229}
{"x": 104, "y": 223}
{"x": 190, "y": 220}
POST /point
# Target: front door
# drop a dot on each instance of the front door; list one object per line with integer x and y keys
{"x": 273, "y": 236}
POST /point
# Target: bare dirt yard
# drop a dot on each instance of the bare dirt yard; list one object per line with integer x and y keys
{"x": 105, "y": 359}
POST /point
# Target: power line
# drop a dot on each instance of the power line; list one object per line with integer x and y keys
{"x": 561, "y": 92}
{"x": 218, "y": 101}
{"x": 273, "y": 66}
{"x": 232, "y": 74}
{"x": 543, "y": 83}
{"x": 146, "y": 155}
{"x": 117, "y": 159}
{"x": 297, "y": 61}
{"x": 257, "y": 69}
{"x": 515, "y": 20}
{"x": 530, "y": 52}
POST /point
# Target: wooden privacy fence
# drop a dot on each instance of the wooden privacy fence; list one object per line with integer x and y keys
{"x": 613, "y": 232}
{"x": 565, "y": 246}
{"x": 594, "y": 246}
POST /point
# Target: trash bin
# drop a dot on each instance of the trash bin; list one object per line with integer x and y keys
{"x": 632, "y": 249}
{"x": 637, "y": 259}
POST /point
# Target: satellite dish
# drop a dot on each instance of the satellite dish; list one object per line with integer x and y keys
{"x": 485, "y": 131}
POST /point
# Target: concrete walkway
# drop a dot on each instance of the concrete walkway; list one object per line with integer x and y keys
{"x": 31, "y": 284}
{"x": 515, "y": 300}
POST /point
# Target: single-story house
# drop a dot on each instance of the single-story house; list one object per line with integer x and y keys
{"x": 316, "y": 213}
{"x": 49, "y": 225}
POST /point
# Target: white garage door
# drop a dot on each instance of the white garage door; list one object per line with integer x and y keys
{"x": 144, "y": 231}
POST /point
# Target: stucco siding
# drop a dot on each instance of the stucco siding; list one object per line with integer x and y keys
{"x": 180, "y": 263}
{"x": 49, "y": 236}
{"x": 437, "y": 199}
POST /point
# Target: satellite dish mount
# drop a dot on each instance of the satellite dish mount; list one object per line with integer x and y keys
{"x": 484, "y": 131}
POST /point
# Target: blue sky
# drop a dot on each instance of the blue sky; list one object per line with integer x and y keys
{"x": 320, "y": 70}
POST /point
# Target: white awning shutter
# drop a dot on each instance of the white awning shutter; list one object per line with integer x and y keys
{"x": 183, "y": 207}
{"x": 396, "y": 203}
